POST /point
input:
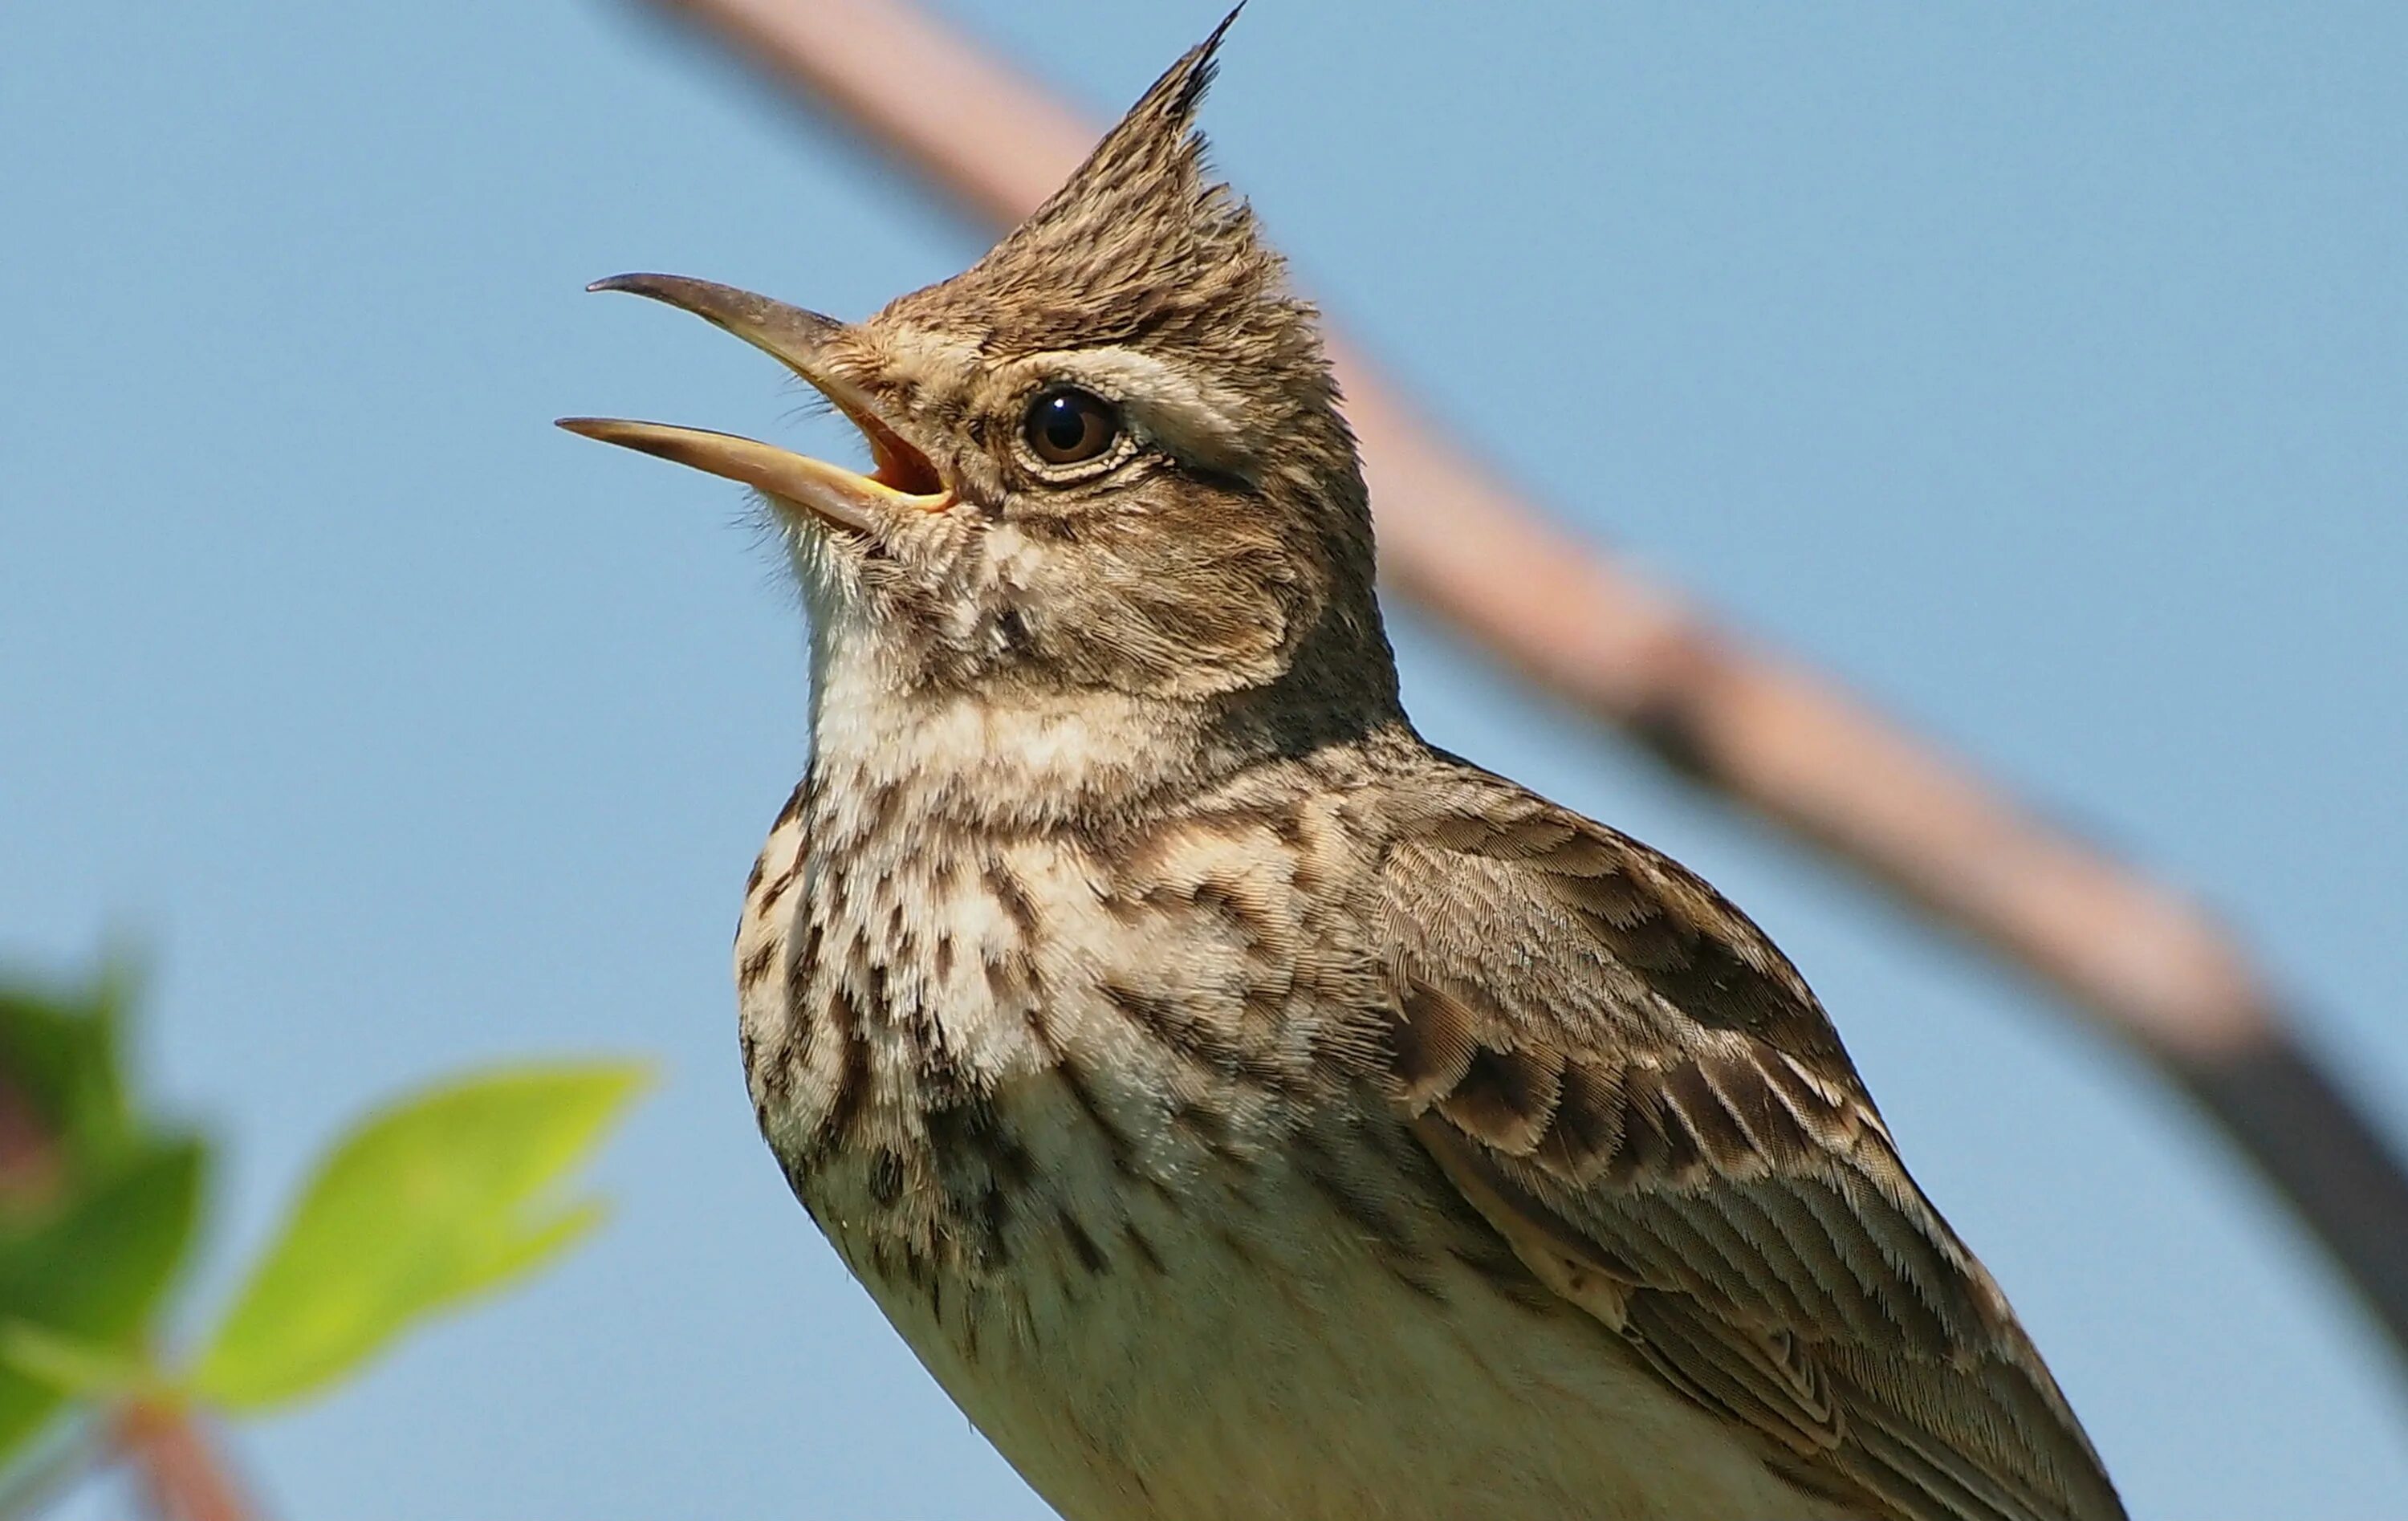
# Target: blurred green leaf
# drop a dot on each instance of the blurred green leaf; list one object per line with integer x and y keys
{"x": 94, "y": 1270}
{"x": 423, "y": 1207}
{"x": 69, "y": 1364}
{"x": 63, "y": 1109}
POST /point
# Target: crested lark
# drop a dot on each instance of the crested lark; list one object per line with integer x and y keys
{"x": 1244, "y": 1109}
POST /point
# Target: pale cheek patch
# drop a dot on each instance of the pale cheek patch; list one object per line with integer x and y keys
{"x": 1013, "y": 559}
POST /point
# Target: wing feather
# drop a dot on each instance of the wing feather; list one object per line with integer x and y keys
{"x": 1626, "y": 1079}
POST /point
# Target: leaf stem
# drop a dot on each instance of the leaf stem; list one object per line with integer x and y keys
{"x": 182, "y": 1474}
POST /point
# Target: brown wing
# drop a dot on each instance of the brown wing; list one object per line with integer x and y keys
{"x": 1640, "y": 1094}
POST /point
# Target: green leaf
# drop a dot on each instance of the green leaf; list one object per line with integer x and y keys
{"x": 93, "y": 1273}
{"x": 97, "y": 1203}
{"x": 69, "y": 1364}
{"x": 423, "y": 1207}
{"x": 62, "y": 1099}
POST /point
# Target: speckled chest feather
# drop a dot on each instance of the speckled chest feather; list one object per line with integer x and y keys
{"x": 965, "y": 1044}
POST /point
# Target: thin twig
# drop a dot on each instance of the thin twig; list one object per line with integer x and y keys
{"x": 2141, "y": 960}
{"x": 178, "y": 1465}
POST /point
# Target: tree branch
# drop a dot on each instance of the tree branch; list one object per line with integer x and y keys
{"x": 2139, "y": 959}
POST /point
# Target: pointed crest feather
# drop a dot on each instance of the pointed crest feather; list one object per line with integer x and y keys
{"x": 1156, "y": 141}
{"x": 1139, "y": 243}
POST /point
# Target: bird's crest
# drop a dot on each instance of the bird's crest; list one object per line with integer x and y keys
{"x": 1139, "y": 243}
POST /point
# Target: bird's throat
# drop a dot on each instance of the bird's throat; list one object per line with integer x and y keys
{"x": 886, "y": 753}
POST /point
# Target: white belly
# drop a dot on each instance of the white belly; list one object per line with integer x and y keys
{"x": 1261, "y": 1357}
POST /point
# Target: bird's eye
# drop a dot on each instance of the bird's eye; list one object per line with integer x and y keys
{"x": 1069, "y": 427}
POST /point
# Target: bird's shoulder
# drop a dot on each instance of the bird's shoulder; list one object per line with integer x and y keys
{"x": 1625, "y": 942}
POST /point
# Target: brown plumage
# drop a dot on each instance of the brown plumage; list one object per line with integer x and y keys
{"x": 1244, "y": 1109}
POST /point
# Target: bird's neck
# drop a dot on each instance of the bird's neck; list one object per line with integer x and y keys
{"x": 893, "y": 756}
{"x": 885, "y": 752}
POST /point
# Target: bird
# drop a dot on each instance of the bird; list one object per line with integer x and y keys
{"x": 1240, "y": 1106}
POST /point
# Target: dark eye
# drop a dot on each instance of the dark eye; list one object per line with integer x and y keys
{"x": 1069, "y": 427}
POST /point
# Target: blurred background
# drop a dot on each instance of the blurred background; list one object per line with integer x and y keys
{"x": 2042, "y": 374}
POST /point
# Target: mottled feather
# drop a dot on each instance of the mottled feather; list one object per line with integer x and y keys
{"x": 1635, "y": 1086}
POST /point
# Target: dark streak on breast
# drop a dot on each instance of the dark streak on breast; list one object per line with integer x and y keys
{"x": 756, "y": 966}
{"x": 1013, "y": 899}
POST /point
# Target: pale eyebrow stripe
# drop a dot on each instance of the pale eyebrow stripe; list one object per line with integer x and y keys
{"x": 1194, "y": 419}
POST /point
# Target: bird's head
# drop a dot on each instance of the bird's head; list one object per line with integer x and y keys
{"x": 1108, "y": 457}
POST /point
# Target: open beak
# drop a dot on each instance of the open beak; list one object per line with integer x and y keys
{"x": 901, "y": 481}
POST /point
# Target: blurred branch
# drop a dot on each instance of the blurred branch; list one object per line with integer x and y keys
{"x": 2137, "y": 959}
{"x": 181, "y": 1474}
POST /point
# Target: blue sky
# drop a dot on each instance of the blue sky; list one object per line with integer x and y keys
{"x": 2041, "y": 373}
